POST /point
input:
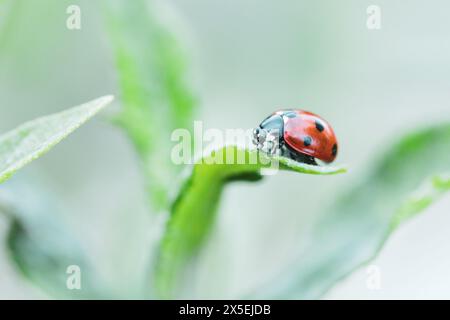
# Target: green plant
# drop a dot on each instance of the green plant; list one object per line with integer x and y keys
{"x": 193, "y": 211}
{"x": 404, "y": 182}
{"x": 156, "y": 99}
{"x": 358, "y": 224}
{"x": 40, "y": 245}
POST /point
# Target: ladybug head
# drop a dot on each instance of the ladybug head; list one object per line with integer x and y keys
{"x": 267, "y": 136}
{"x": 265, "y": 140}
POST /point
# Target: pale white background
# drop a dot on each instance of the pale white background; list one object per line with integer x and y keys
{"x": 248, "y": 58}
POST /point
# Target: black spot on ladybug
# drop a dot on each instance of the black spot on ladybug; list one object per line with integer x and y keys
{"x": 334, "y": 150}
{"x": 307, "y": 141}
{"x": 319, "y": 126}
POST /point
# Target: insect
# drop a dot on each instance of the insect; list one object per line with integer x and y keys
{"x": 298, "y": 135}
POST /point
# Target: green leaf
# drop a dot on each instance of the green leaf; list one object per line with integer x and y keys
{"x": 33, "y": 139}
{"x": 426, "y": 195}
{"x": 8, "y": 15}
{"x": 154, "y": 95}
{"x": 193, "y": 212}
{"x": 352, "y": 231}
{"x": 42, "y": 247}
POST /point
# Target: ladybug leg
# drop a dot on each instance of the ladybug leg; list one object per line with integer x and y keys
{"x": 297, "y": 156}
{"x": 306, "y": 159}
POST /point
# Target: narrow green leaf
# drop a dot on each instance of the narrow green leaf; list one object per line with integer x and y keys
{"x": 39, "y": 245}
{"x": 8, "y": 15}
{"x": 154, "y": 95}
{"x": 42, "y": 247}
{"x": 426, "y": 195}
{"x": 193, "y": 212}
{"x": 33, "y": 139}
{"x": 352, "y": 231}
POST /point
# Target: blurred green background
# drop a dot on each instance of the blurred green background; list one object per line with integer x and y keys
{"x": 247, "y": 58}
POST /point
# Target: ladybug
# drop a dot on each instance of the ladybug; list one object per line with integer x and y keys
{"x": 296, "y": 134}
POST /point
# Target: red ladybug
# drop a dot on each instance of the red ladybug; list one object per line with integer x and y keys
{"x": 297, "y": 134}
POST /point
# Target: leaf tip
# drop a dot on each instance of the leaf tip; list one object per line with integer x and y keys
{"x": 105, "y": 100}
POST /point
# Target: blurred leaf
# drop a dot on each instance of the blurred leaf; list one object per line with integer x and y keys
{"x": 8, "y": 15}
{"x": 155, "y": 98}
{"x": 33, "y": 139}
{"x": 353, "y": 231}
{"x": 41, "y": 246}
{"x": 193, "y": 212}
